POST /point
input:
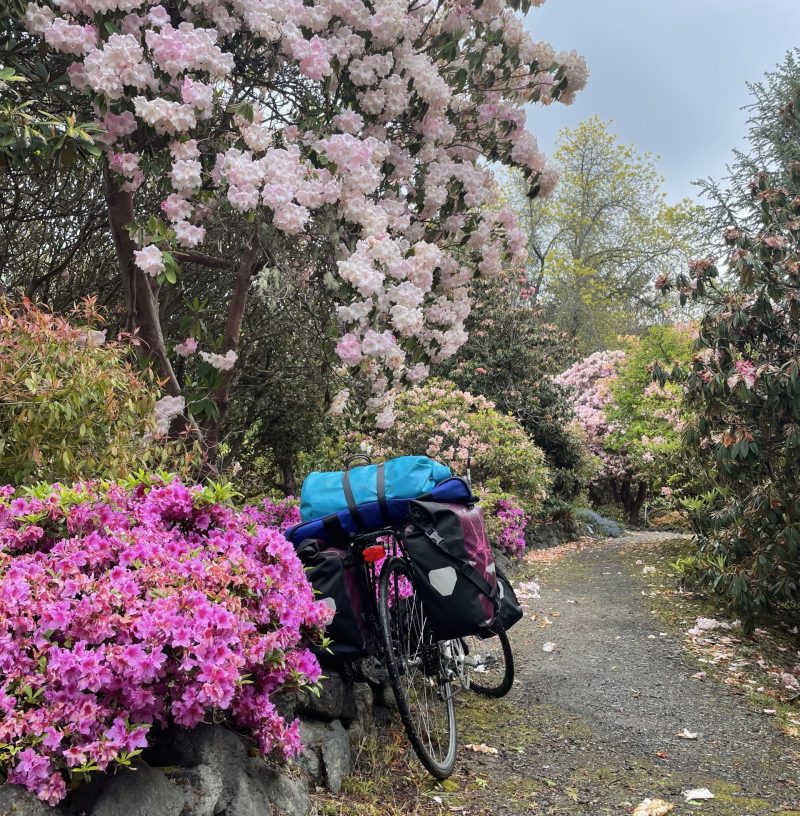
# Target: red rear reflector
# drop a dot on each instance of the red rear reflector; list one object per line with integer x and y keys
{"x": 374, "y": 553}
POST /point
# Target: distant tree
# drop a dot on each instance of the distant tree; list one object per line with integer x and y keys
{"x": 772, "y": 146}
{"x": 607, "y": 233}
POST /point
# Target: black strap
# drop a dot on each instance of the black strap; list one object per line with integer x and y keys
{"x": 469, "y": 572}
{"x": 307, "y": 548}
{"x": 382, "y": 503}
{"x": 350, "y": 499}
{"x": 333, "y": 527}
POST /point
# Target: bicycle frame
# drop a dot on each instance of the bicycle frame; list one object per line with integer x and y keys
{"x": 367, "y": 569}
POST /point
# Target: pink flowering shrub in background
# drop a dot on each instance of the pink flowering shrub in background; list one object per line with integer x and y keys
{"x": 631, "y": 423}
{"x": 506, "y": 521}
{"x": 464, "y": 431}
{"x": 124, "y": 607}
{"x": 590, "y": 382}
{"x": 283, "y": 513}
{"x": 467, "y": 433}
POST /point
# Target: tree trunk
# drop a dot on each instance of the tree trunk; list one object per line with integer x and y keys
{"x": 233, "y": 329}
{"x": 288, "y": 476}
{"x": 634, "y": 507}
{"x": 141, "y": 293}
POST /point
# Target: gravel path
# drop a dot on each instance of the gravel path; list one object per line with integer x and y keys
{"x": 591, "y": 727}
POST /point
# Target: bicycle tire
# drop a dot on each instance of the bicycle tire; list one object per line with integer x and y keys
{"x": 416, "y": 673}
{"x": 501, "y": 688}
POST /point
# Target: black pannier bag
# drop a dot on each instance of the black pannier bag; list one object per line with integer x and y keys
{"x": 331, "y": 573}
{"x": 510, "y": 611}
{"x": 454, "y": 569}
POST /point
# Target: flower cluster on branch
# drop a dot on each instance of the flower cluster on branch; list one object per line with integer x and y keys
{"x": 367, "y": 123}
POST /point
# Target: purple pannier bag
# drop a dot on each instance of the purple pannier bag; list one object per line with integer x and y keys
{"x": 454, "y": 570}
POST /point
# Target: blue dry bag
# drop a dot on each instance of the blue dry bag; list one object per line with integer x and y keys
{"x": 338, "y": 527}
{"x": 405, "y": 477}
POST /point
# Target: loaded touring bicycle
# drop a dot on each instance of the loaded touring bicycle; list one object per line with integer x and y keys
{"x": 399, "y": 552}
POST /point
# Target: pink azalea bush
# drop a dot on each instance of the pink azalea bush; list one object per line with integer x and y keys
{"x": 283, "y": 513}
{"x": 124, "y": 607}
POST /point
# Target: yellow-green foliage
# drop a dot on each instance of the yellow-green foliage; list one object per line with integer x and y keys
{"x": 71, "y": 404}
{"x": 648, "y": 416}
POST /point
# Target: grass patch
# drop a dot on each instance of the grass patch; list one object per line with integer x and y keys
{"x": 387, "y": 780}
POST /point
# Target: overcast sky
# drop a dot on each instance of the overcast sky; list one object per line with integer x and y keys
{"x": 671, "y": 74}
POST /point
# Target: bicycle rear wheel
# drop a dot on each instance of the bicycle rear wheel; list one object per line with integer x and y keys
{"x": 491, "y": 664}
{"x": 417, "y": 670}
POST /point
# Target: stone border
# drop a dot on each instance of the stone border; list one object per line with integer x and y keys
{"x": 209, "y": 770}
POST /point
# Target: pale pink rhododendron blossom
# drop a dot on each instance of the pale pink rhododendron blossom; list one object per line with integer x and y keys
{"x": 150, "y": 260}
{"x": 419, "y": 98}
{"x": 92, "y": 337}
{"x": 166, "y": 409}
{"x": 744, "y": 372}
{"x": 187, "y": 347}
{"x": 124, "y": 609}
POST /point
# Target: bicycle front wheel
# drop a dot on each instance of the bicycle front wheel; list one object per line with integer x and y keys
{"x": 417, "y": 670}
{"x": 491, "y": 664}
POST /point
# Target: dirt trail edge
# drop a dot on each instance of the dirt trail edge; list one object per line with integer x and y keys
{"x": 592, "y": 726}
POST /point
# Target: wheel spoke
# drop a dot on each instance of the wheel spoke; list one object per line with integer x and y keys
{"x": 416, "y": 669}
{"x": 490, "y": 664}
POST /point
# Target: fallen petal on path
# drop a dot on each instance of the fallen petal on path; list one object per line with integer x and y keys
{"x": 549, "y": 646}
{"x": 653, "y": 807}
{"x": 483, "y": 748}
{"x": 697, "y": 794}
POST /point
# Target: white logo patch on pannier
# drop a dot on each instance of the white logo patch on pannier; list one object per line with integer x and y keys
{"x": 443, "y": 580}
